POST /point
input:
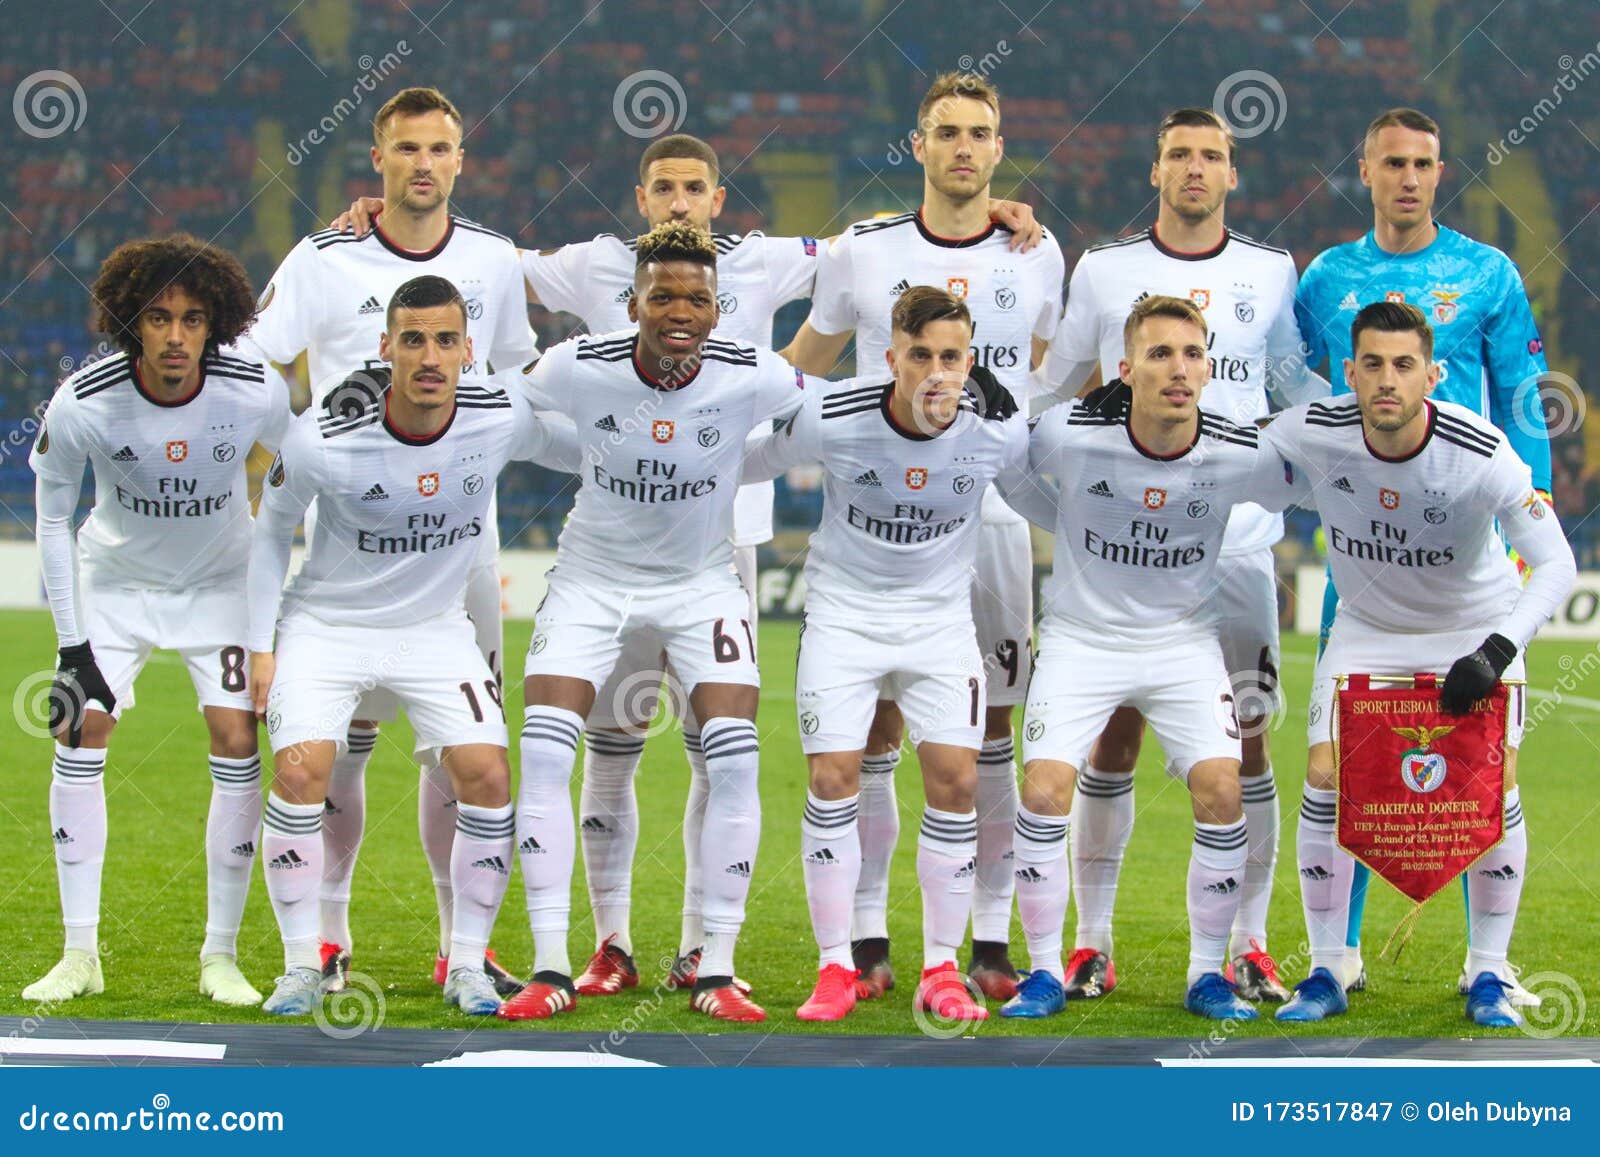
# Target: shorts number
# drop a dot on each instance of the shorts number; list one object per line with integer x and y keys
{"x": 972, "y": 685}
{"x": 1006, "y": 651}
{"x": 1269, "y": 673}
{"x": 1230, "y": 722}
{"x": 725, "y": 648}
{"x": 471, "y": 693}
{"x": 233, "y": 668}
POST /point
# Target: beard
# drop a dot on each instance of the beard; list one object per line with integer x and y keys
{"x": 1388, "y": 423}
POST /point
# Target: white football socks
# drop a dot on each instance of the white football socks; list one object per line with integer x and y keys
{"x": 233, "y": 828}
{"x": 480, "y": 869}
{"x": 78, "y": 827}
{"x": 947, "y": 847}
{"x": 292, "y": 857}
{"x": 731, "y": 836}
{"x": 1044, "y": 885}
{"x": 1260, "y": 793}
{"x": 546, "y": 840}
{"x": 344, "y": 818}
{"x": 1494, "y": 890}
{"x": 1102, "y": 821}
{"x": 879, "y": 820}
{"x": 997, "y": 819}
{"x": 609, "y": 827}
{"x": 1216, "y": 867}
{"x": 1325, "y": 874}
{"x": 436, "y": 825}
{"x": 830, "y": 858}
{"x": 693, "y": 932}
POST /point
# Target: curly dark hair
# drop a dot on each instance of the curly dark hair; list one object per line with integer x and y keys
{"x": 138, "y": 272}
{"x": 676, "y": 241}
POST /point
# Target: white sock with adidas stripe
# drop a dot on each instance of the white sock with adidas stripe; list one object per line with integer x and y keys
{"x": 1216, "y": 874}
{"x": 480, "y": 869}
{"x": 830, "y": 859}
{"x": 546, "y": 836}
{"x": 609, "y": 828}
{"x": 292, "y": 857}
{"x": 947, "y": 847}
{"x": 731, "y": 836}
{"x": 1044, "y": 886}
{"x": 233, "y": 828}
{"x": 78, "y": 827}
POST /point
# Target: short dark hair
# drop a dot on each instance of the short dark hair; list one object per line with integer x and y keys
{"x": 676, "y": 241}
{"x": 413, "y": 102}
{"x": 425, "y": 292}
{"x": 1404, "y": 118}
{"x": 1160, "y": 305}
{"x": 1392, "y": 317}
{"x": 679, "y": 146}
{"x": 1195, "y": 118}
{"x": 922, "y": 304}
{"x": 138, "y": 273}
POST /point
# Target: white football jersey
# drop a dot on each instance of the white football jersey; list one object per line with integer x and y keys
{"x": 1138, "y": 535}
{"x": 1412, "y": 542}
{"x": 329, "y": 297}
{"x": 1245, "y": 290}
{"x": 1013, "y": 297}
{"x": 171, "y": 504}
{"x": 660, "y": 464}
{"x": 900, "y": 508}
{"x": 398, "y": 519}
{"x": 756, "y": 275}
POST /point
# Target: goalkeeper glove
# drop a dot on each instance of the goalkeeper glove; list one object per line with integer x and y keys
{"x": 78, "y": 682}
{"x": 1473, "y": 676}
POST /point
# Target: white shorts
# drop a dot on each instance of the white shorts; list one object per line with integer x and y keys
{"x": 632, "y": 694}
{"x": 1247, "y": 600}
{"x": 1357, "y": 648}
{"x": 1182, "y": 689}
{"x": 206, "y": 626}
{"x": 1002, "y": 609}
{"x": 933, "y": 671}
{"x": 702, "y": 624}
{"x": 433, "y": 668}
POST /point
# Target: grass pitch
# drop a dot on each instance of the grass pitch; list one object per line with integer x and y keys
{"x": 154, "y": 894}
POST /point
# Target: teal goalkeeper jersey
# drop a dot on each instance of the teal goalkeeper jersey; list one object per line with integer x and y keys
{"x": 1484, "y": 336}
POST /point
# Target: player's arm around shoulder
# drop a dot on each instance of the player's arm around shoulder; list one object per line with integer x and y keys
{"x": 796, "y": 441}
{"x": 1280, "y": 478}
{"x": 547, "y": 381}
{"x": 782, "y": 387}
{"x": 549, "y": 439}
{"x": 290, "y": 485}
{"x": 817, "y": 347}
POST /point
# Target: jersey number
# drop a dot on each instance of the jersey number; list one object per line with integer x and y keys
{"x": 972, "y": 685}
{"x": 471, "y": 693}
{"x": 1006, "y": 651}
{"x": 1230, "y": 722}
{"x": 725, "y": 647}
{"x": 233, "y": 668}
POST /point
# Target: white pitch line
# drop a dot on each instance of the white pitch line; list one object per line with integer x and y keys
{"x": 45, "y": 1047}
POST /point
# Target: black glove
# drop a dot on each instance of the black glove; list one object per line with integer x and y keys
{"x": 1111, "y": 398}
{"x": 1473, "y": 676}
{"x": 77, "y": 681}
{"x": 994, "y": 400}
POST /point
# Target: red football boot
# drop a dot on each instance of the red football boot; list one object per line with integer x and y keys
{"x": 541, "y": 998}
{"x": 833, "y": 997}
{"x": 686, "y": 969}
{"x": 944, "y": 994}
{"x": 725, "y": 1001}
{"x": 335, "y": 966}
{"x": 608, "y": 972}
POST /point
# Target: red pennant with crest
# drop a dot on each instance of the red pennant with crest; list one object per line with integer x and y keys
{"x": 1421, "y": 792}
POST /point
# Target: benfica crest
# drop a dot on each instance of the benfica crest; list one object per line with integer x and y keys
{"x": 1423, "y": 770}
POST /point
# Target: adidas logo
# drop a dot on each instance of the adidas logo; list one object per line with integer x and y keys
{"x": 329, "y": 809}
{"x": 870, "y": 478}
{"x": 376, "y": 494}
{"x": 1505, "y": 873}
{"x": 125, "y": 454}
{"x": 248, "y": 848}
{"x": 1350, "y": 301}
{"x": 970, "y": 870}
{"x": 741, "y": 869}
{"x": 60, "y": 836}
{"x": 595, "y": 824}
{"x": 1343, "y": 483}
{"x": 370, "y": 306}
{"x": 1101, "y": 490}
{"x": 289, "y": 859}
{"x": 1316, "y": 872}
{"x": 493, "y": 864}
{"x": 530, "y": 846}
{"x": 1223, "y": 887}
{"x": 1031, "y": 875}
{"x": 608, "y": 424}
{"x": 625, "y": 296}
{"x": 900, "y": 288}
{"x": 822, "y": 857}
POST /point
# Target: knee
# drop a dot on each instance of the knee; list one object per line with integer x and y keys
{"x": 1214, "y": 787}
{"x": 95, "y": 733}
{"x": 297, "y": 779}
{"x": 1047, "y": 788}
{"x": 235, "y": 738}
{"x": 835, "y": 777}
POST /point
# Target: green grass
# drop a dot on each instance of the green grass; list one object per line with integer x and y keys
{"x": 157, "y": 786}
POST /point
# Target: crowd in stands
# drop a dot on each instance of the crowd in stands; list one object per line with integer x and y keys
{"x": 175, "y": 98}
